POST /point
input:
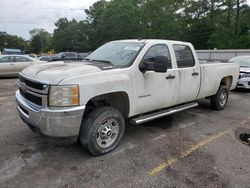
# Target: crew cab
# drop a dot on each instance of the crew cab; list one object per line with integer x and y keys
{"x": 138, "y": 80}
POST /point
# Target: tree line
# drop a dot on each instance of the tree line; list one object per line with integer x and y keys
{"x": 208, "y": 24}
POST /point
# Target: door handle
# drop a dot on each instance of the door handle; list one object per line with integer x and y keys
{"x": 195, "y": 74}
{"x": 11, "y": 64}
{"x": 170, "y": 77}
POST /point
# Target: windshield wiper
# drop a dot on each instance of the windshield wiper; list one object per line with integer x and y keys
{"x": 102, "y": 61}
{"x": 85, "y": 58}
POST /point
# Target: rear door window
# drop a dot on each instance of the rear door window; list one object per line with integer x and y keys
{"x": 22, "y": 59}
{"x": 184, "y": 56}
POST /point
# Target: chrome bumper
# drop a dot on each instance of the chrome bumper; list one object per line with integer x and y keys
{"x": 243, "y": 83}
{"x": 64, "y": 122}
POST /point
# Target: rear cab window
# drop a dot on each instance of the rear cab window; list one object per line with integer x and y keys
{"x": 158, "y": 50}
{"x": 184, "y": 56}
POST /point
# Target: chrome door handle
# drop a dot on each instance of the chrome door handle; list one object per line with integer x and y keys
{"x": 170, "y": 77}
{"x": 195, "y": 74}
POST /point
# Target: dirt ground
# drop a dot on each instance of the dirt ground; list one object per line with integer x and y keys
{"x": 195, "y": 148}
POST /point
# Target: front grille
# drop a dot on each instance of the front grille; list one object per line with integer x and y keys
{"x": 32, "y": 98}
{"x": 33, "y": 91}
{"x": 32, "y": 84}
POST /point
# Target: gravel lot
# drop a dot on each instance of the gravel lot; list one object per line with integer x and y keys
{"x": 195, "y": 148}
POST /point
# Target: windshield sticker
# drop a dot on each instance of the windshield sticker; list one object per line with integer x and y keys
{"x": 132, "y": 48}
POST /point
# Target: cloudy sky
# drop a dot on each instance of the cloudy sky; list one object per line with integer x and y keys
{"x": 17, "y": 17}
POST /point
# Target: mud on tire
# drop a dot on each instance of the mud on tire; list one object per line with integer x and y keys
{"x": 102, "y": 130}
{"x": 219, "y": 100}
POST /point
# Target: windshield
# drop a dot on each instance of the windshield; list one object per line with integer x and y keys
{"x": 119, "y": 54}
{"x": 244, "y": 61}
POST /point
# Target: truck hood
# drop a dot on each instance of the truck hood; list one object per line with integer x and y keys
{"x": 245, "y": 69}
{"x": 56, "y": 72}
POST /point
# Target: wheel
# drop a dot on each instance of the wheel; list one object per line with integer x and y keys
{"x": 219, "y": 101}
{"x": 102, "y": 130}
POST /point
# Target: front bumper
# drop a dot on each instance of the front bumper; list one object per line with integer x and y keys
{"x": 64, "y": 122}
{"x": 244, "y": 83}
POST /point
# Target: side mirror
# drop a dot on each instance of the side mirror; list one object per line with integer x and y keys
{"x": 157, "y": 64}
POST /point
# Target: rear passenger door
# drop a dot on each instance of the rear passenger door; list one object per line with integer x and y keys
{"x": 21, "y": 63}
{"x": 188, "y": 73}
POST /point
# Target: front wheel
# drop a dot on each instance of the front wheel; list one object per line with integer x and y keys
{"x": 102, "y": 130}
{"x": 219, "y": 101}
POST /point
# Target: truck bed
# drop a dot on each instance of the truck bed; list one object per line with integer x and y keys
{"x": 211, "y": 75}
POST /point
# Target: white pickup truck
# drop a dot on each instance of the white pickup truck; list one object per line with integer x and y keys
{"x": 139, "y": 80}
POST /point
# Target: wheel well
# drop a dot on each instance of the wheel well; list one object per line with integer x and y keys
{"x": 227, "y": 81}
{"x": 117, "y": 100}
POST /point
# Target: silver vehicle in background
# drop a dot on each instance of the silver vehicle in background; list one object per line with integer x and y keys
{"x": 244, "y": 78}
{"x": 11, "y": 65}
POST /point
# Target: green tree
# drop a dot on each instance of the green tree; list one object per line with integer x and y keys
{"x": 12, "y": 41}
{"x": 228, "y": 31}
{"x": 70, "y": 35}
{"x": 200, "y": 18}
{"x": 205, "y": 23}
{"x": 215, "y": 24}
{"x": 162, "y": 19}
{"x": 40, "y": 40}
{"x": 121, "y": 19}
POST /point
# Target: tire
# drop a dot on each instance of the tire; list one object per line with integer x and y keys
{"x": 219, "y": 101}
{"x": 102, "y": 130}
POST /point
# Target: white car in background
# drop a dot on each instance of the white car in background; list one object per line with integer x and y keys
{"x": 11, "y": 65}
{"x": 244, "y": 78}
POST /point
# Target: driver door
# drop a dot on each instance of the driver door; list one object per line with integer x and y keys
{"x": 156, "y": 90}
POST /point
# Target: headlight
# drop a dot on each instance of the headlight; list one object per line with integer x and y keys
{"x": 245, "y": 75}
{"x": 67, "y": 95}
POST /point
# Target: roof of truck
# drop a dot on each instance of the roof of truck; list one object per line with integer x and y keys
{"x": 152, "y": 41}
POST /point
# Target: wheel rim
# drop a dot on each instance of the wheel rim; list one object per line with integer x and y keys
{"x": 107, "y": 133}
{"x": 223, "y": 98}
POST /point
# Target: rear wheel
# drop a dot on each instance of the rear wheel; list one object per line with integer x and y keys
{"x": 102, "y": 130}
{"x": 219, "y": 101}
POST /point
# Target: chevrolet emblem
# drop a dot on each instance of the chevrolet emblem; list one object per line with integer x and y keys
{"x": 23, "y": 87}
